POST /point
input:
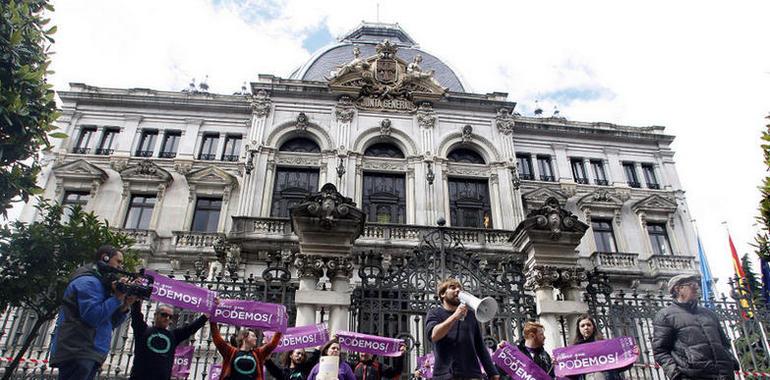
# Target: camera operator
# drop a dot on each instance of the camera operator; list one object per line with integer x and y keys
{"x": 154, "y": 346}
{"x": 91, "y": 309}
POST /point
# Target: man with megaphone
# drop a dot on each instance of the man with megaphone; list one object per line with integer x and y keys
{"x": 458, "y": 346}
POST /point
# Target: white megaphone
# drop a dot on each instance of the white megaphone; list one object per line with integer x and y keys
{"x": 485, "y": 309}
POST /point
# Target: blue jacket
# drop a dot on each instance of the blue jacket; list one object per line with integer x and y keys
{"x": 88, "y": 315}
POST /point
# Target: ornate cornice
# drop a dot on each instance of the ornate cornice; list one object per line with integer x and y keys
{"x": 261, "y": 103}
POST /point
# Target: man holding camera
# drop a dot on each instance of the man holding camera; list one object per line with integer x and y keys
{"x": 154, "y": 346}
{"x": 457, "y": 342}
{"x": 91, "y": 309}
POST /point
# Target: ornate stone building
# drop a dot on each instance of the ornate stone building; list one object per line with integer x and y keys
{"x": 206, "y": 183}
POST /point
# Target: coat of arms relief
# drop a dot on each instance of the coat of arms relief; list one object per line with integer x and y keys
{"x": 385, "y": 82}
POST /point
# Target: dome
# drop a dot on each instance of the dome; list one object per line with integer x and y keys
{"x": 366, "y": 36}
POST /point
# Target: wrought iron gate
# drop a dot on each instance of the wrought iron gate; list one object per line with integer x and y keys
{"x": 396, "y": 292}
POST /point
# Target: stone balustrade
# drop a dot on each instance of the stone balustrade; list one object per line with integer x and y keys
{"x": 195, "y": 240}
{"x": 671, "y": 264}
{"x": 615, "y": 260}
{"x": 144, "y": 240}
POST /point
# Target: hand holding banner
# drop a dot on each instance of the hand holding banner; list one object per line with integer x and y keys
{"x": 596, "y": 356}
{"x": 517, "y": 365}
{"x": 181, "y": 294}
{"x": 261, "y": 315}
{"x": 301, "y": 337}
{"x": 425, "y": 365}
{"x": 370, "y": 344}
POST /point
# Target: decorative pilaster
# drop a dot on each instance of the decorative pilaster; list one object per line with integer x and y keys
{"x": 504, "y": 122}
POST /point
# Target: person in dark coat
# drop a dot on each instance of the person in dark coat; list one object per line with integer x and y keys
{"x": 369, "y": 368}
{"x": 688, "y": 341}
{"x": 295, "y": 365}
{"x": 532, "y": 346}
{"x": 586, "y": 332}
{"x": 155, "y": 346}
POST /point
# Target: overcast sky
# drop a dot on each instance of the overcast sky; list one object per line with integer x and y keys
{"x": 702, "y": 69}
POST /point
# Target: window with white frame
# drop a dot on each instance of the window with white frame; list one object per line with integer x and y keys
{"x": 140, "y": 212}
{"x": 206, "y": 216}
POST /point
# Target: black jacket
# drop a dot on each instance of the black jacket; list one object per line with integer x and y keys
{"x": 688, "y": 342}
{"x": 540, "y": 357}
{"x": 299, "y": 372}
{"x": 154, "y": 347}
{"x": 374, "y": 370}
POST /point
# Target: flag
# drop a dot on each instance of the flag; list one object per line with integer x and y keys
{"x": 706, "y": 280}
{"x": 765, "y": 280}
{"x": 742, "y": 285}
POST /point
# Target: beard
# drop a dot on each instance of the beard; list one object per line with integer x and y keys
{"x": 452, "y": 301}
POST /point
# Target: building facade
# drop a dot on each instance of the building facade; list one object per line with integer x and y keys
{"x": 206, "y": 183}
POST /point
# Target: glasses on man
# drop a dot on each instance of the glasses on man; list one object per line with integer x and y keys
{"x": 691, "y": 284}
{"x": 165, "y": 315}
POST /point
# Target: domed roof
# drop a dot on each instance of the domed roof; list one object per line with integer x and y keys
{"x": 366, "y": 36}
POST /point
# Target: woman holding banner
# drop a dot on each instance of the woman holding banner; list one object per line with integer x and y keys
{"x": 295, "y": 364}
{"x": 332, "y": 348}
{"x": 586, "y": 332}
{"x": 247, "y": 360}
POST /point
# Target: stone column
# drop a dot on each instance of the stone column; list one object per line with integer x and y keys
{"x": 590, "y": 176}
{"x": 549, "y": 239}
{"x": 640, "y": 174}
{"x": 326, "y": 223}
{"x": 309, "y": 271}
{"x": 128, "y": 135}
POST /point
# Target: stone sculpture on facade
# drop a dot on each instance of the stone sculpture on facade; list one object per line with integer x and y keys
{"x": 504, "y": 121}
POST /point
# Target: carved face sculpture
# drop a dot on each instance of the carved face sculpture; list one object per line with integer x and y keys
{"x": 386, "y": 70}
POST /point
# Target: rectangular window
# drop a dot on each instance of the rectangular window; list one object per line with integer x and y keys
{"x": 578, "y": 170}
{"x": 546, "y": 171}
{"x": 649, "y": 176}
{"x": 86, "y": 135}
{"x": 147, "y": 144}
{"x": 170, "y": 144}
{"x": 384, "y": 199}
{"x": 140, "y": 212}
{"x": 232, "y": 148}
{"x": 630, "y": 169}
{"x": 292, "y": 186}
{"x": 524, "y": 165}
{"x": 206, "y": 217}
{"x": 604, "y": 235}
{"x": 601, "y": 176}
{"x": 209, "y": 147}
{"x": 73, "y": 198}
{"x": 469, "y": 203}
{"x": 109, "y": 138}
{"x": 659, "y": 238}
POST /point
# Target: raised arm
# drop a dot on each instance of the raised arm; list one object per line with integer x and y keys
{"x": 185, "y": 332}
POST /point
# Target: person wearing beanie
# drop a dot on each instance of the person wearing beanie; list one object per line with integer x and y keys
{"x": 688, "y": 341}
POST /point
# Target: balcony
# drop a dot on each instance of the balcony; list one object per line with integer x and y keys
{"x": 104, "y": 151}
{"x": 230, "y": 157}
{"x": 548, "y": 178}
{"x": 653, "y": 186}
{"x": 207, "y": 157}
{"x": 582, "y": 181}
{"x": 602, "y": 182}
{"x": 144, "y": 240}
{"x": 167, "y": 154}
{"x": 375, "y": 234}
{"x": 635, "y": 185}
{"x": 79, "y": 150}
{"x": 143, "y": 153}
{"x": 526, "y": 176}
{"x": 617, "y": 263}
{"x": 195, "y": 242}
{"x": 669, "y": 265}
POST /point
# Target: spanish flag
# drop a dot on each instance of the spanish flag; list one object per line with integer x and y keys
{"x": 742, "y": 284}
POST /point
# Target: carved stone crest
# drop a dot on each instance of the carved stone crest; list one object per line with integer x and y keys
{"x": 385, "y": 127}
{"x": 344, "y": 110}
{"x": 552, "y": 217}
{"x": 504, "y": 121}
{"x": 467, "y": 133}
{"x": 302, "y": 122}
{"x": 426, "y": 118}
{"x": 260, "y": 104}
{"x": 329, "y": 206}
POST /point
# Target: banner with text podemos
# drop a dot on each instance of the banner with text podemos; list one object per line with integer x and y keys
{"x": 370, "y": 344}
{"x": 181, "y": 294}
{"x": 261, "y": 315}
{"x": 182, "y": 360}
{"x": 518, "y": 365}
{"x": 597, "y": 356}
{"x": 425, "y": 365}
{"x": 301, "y": 337}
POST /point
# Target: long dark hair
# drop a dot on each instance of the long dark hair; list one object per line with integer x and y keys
{"x": 286, "y": 357}
{"x": 579, "y": 338}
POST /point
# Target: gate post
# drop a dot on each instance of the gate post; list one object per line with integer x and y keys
{"x": 548, "y": 237}
{"x": 327, "y": 224}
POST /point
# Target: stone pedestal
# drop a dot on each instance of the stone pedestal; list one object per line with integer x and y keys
{"x": 327, "y": 224}
{"x": 549, "y": 238}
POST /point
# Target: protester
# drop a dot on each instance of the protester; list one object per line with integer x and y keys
{"x": 295, "y": 365}
{"x": 91, "y": 309}
{"x": 154, "y": 346}
{"x": 246, "y": 360}
{"x": 332, "y": 348}
{"x": 586, "y": 332}
{"x": 457, "y": 342}
{"x": 532, "y": 346}
{"x": 688, "y": 341}
{"x": 369, "y": 368}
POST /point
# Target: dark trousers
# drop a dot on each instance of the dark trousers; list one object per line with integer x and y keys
{"x": 79, "y": 369}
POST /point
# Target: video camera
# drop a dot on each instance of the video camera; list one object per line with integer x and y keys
{"x": 140, "y": 290}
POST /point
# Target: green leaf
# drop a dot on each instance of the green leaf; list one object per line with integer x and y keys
{"x": 58, "y": 135}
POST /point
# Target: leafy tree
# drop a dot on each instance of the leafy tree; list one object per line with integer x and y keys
{"x": 753, "y": 282}
{"x": 27, "y": 107}
{"x": 762, "y": 240}
{"x": 37, "y": 260}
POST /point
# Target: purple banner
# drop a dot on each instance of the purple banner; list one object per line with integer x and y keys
{"x": 181, "y": 294}
{"x": 182, "y": 360}
{"x": 301, "y": 337}
{"x": 597, "y": 356}
{"x": 261, "y": 315}
{"x": 518, "y": 365}
{"x": 215, "y": 371}
{"x": 370, "y": 344}
{"x": 425, "y": 365}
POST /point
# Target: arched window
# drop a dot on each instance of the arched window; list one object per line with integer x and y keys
{"x": 466, "y": 155}
{"x": 386, "y": 150}
{"x": 291, "y": 187}
{"x": 469, "y": 203}
{"x": 300, "y": 145}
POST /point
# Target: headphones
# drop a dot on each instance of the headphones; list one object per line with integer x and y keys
{"x": 106, "y": 258}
